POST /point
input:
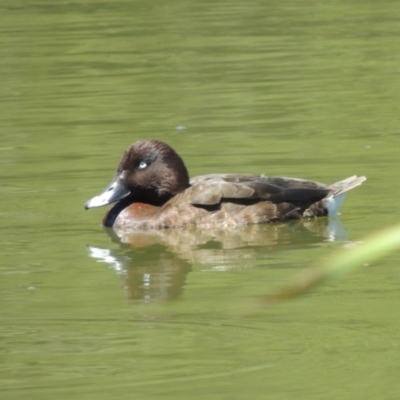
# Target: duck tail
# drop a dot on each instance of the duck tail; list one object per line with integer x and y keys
{"x": 338, "y": 192}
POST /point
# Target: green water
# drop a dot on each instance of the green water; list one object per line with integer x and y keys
{"x": 308, "y": 89}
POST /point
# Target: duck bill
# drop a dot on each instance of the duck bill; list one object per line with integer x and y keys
{"x": 115, "y": 191}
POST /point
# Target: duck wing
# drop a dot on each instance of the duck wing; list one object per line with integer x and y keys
{"x": 240, "y": 188}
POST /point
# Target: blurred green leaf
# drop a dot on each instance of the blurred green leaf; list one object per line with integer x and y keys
{"x": 371, "y": 248}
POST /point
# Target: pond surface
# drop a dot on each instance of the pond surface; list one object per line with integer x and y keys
{"x": 308, "y": 89}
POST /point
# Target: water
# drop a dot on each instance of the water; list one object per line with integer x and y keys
{"x": 308, "y": 90}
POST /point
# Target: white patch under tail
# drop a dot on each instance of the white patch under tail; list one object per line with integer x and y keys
{"x": 338, "y": 193}
{"x": 334, "y": 203}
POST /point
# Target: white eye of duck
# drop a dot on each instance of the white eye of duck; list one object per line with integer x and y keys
{"x": 142, "y": 165}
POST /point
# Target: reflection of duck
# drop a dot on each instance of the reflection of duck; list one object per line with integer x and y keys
{"x": 154, "y": 264}
{"x": 153, "y": 191}
{"x": 208, "y": 246}
{"x": 149, "y": 275}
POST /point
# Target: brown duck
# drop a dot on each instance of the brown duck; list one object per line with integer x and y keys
{"x": 152, "y": 190}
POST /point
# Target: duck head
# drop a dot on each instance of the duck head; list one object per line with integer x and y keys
{"x": 150, "y": 171}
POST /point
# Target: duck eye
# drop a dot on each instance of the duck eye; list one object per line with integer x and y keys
{"x": 142, "y": 165}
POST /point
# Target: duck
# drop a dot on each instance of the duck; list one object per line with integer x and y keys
{"x": 152, "y": 190}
